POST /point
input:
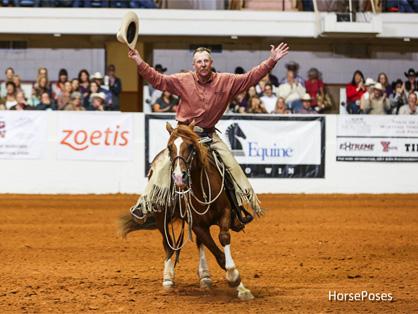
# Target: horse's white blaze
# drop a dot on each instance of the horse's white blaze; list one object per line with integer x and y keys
{"x": 229, "y": 262}
{"x": 203, "y": 264}
{"x": 177, "y": 170}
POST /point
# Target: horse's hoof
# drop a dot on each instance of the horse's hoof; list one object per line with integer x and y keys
{"x": 168, "y": 284}
{"x": 206, "y": 283}
{"x": 245, "y": 294}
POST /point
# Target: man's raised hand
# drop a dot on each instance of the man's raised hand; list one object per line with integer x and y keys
{"x": 134, "y": 55}
{"x": 279, "y": 52}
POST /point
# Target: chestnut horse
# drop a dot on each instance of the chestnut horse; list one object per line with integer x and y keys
{"x": 199, "y": 202}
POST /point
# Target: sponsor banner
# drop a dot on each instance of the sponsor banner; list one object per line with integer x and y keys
{"x": 23, "y": 134}
{"x": 264, "y": 146}
{"x": 95, "y": 136}
{"x": 377, "y": 138}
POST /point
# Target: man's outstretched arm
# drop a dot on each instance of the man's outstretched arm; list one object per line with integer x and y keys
{"x": 244, "y": 81}
{"x": 157, "y": 80}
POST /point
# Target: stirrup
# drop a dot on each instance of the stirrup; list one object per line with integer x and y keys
{"x": 138, "y": 214}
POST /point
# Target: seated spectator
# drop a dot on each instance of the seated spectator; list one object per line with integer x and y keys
{"x": 75, "y": 85}
{"x": 10, "y": 72}
{"x": 98, "y": 78}
{"x": 306, "y": 105}
{"x": 377, "y": 103}
{"x": 10, "y": 99}
{"x": 94, "y": 89}
{"x": 58, "y": 87}
{"x": 155, "y": 93}
{"x": 314, "y": 86}
{"x": 354, "y": 90}
{"x": 2, "y": 106}
{"x": 166, "y": 103}
{"x": 84, "y": 83}
{"x": 292, "y": 91}
{"x": 97, "y": 102}
{"x": 64, "y": 98}
{"x": 411, "y": 107}
{"x": 41, "y": 86}
{"x": 46, "y": 103}
{"x": 293, "y": 66}
{"x": 18, "y": 83}
{"x": 43, "y": 71}
{"x": 75, "y": 103}
{"x": 401, "y": 6}
{"x": 239, "y": 103}
{"x": 369, "y": 85}
{"x": 21, "y": 103}
{"x": 260, "y": 85}
{"x": 411, "y": 84}
{"x": 115, "y": 86}
{"x": 269, "y": 99}
{"x": 398, "y": 97}
{"x": 281, "y": 107}
{"x": 255, "y": 105}
{"x": 383, "y": 79}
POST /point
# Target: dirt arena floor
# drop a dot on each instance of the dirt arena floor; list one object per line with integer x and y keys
{"x": 63, "y": 254}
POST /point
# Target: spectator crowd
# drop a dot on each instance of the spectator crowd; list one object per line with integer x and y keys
{"x": 85, "y": 92}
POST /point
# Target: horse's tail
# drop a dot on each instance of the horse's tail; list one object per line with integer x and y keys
{"x": 127, "y": 224}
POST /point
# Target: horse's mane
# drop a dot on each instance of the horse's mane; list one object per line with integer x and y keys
{"x": 185, "y": 132}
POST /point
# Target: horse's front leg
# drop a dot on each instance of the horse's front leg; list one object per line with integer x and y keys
{"x": 168, "y": 273}
{"x": 232, "y": 273}
{"x": 203, "y": 270}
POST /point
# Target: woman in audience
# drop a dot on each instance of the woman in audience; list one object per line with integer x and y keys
{"x": 10, "y": 99}
{"x": 46, "y": 103}
{"x": 94, "y": 89}
{"x": 75, "y": 85}
{"x": 10, "y": 72}
{"x": 354, "y": 90}
{"x": 84, "y": 83}
{"x": 58, "y": 88}
{"x": 314, "y": 86}
{"x": 382, "y": 78}
{"x": 398, "y": 98}
{"x": 64, "y": 98}
{"x": 21, "y": 103}
{"x": 42, "y": 71}
{"x": 75, "y": 103}
{"x": 256, "y": 106}
{"x": 41, "y": 86}
{"x": 281, "y": 107}
{"x": 166, "y": 103}
{"x": 18, "y": 83}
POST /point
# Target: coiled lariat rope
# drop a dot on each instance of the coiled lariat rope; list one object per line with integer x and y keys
{"x": 179, "y": 196}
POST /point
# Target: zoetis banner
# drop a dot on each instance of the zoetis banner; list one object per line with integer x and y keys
{"x": 264, "y": 145}
{"x": 95, "y": 136}
{"x": 23, "y": 135}
{"x": 377, "y": 138}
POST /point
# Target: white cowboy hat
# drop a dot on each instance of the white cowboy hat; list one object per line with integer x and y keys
{"x": 98, "y": 95}
{"x": 306, "y": 97}
{"x": 369, "y": 82}
{"x": 129, "y": 29}
{"x": 379, "y": 86}
{"x": 97, "y": 76}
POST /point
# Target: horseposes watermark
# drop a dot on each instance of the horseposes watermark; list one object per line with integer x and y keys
{"x": 359, "y": 296}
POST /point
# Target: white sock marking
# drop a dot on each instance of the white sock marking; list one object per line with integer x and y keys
{"x": 203, "y": 265}
{"x": 229, "y": 262}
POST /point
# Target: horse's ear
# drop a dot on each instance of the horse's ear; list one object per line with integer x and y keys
{"x": 192, "y": 125}
{"x": 169, "y": 127}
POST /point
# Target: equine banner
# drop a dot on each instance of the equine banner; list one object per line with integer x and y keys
{"x": 23, "y": 134}
{"x": 266, "y": 146}
{"x": 95, "y": 136}
{"x": 377, "y": 138}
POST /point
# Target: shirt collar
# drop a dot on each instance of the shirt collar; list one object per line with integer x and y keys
{"x": 212, "y": 77}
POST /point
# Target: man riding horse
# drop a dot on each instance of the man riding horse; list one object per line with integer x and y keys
{"x": 204, "y": 97}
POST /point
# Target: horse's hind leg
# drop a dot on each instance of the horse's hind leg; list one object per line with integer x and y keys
{"x": 203, "y": 270}
{"x": 232, "y": 273}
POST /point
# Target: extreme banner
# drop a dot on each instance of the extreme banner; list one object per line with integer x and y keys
{"x": 377, "y": 138}
{"x": 265, "y": 146}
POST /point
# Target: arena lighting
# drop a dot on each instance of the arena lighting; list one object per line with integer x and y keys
{"x": 407, "y": 39}
{"x": 57, "y": 35}
{"x": 234, "y": 37}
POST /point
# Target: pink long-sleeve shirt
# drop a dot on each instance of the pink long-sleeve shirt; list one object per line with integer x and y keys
{"x": 205, "y": 103}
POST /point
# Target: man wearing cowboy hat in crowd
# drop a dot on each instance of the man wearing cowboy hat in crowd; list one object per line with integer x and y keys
{"x": 204, "y": 97}
{"x": 411, "y": 85}
{"x": 98, "y": 78}
{"x": 377, "y": 103}
{"x": 97, "y": 102}
{"x": 306, "y": 105}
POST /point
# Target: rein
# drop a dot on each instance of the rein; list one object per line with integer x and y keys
{"x": 179, "y": 196}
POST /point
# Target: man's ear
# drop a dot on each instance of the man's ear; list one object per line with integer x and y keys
{"x": 169, "y": 128}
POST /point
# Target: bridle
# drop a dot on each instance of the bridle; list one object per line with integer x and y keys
{"x": 188, "y": 163}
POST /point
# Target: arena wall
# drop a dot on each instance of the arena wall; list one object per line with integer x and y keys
{"x": 50, "y": 175}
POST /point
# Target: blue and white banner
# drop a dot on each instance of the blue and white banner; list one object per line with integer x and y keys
{"x": 377, "y": 138}
{"x": 23, "y": 134}
{"x": 264, "y": 145}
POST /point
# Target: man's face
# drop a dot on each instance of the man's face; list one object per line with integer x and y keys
{"x": 202, "y": 63}
{"x": 412, "y": 78}
{"x": 306, "y": 104}
{"x": 377, "y": 93}
{"x": 412, "y": 101}
{"x": 268, "y": 91}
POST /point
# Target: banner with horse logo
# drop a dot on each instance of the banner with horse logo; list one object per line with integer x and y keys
{"x": 377, "y": 138}
{"x": 95, "y": 136}
{"x": 265, "y": 146}
{"x": 23, "y": 134}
